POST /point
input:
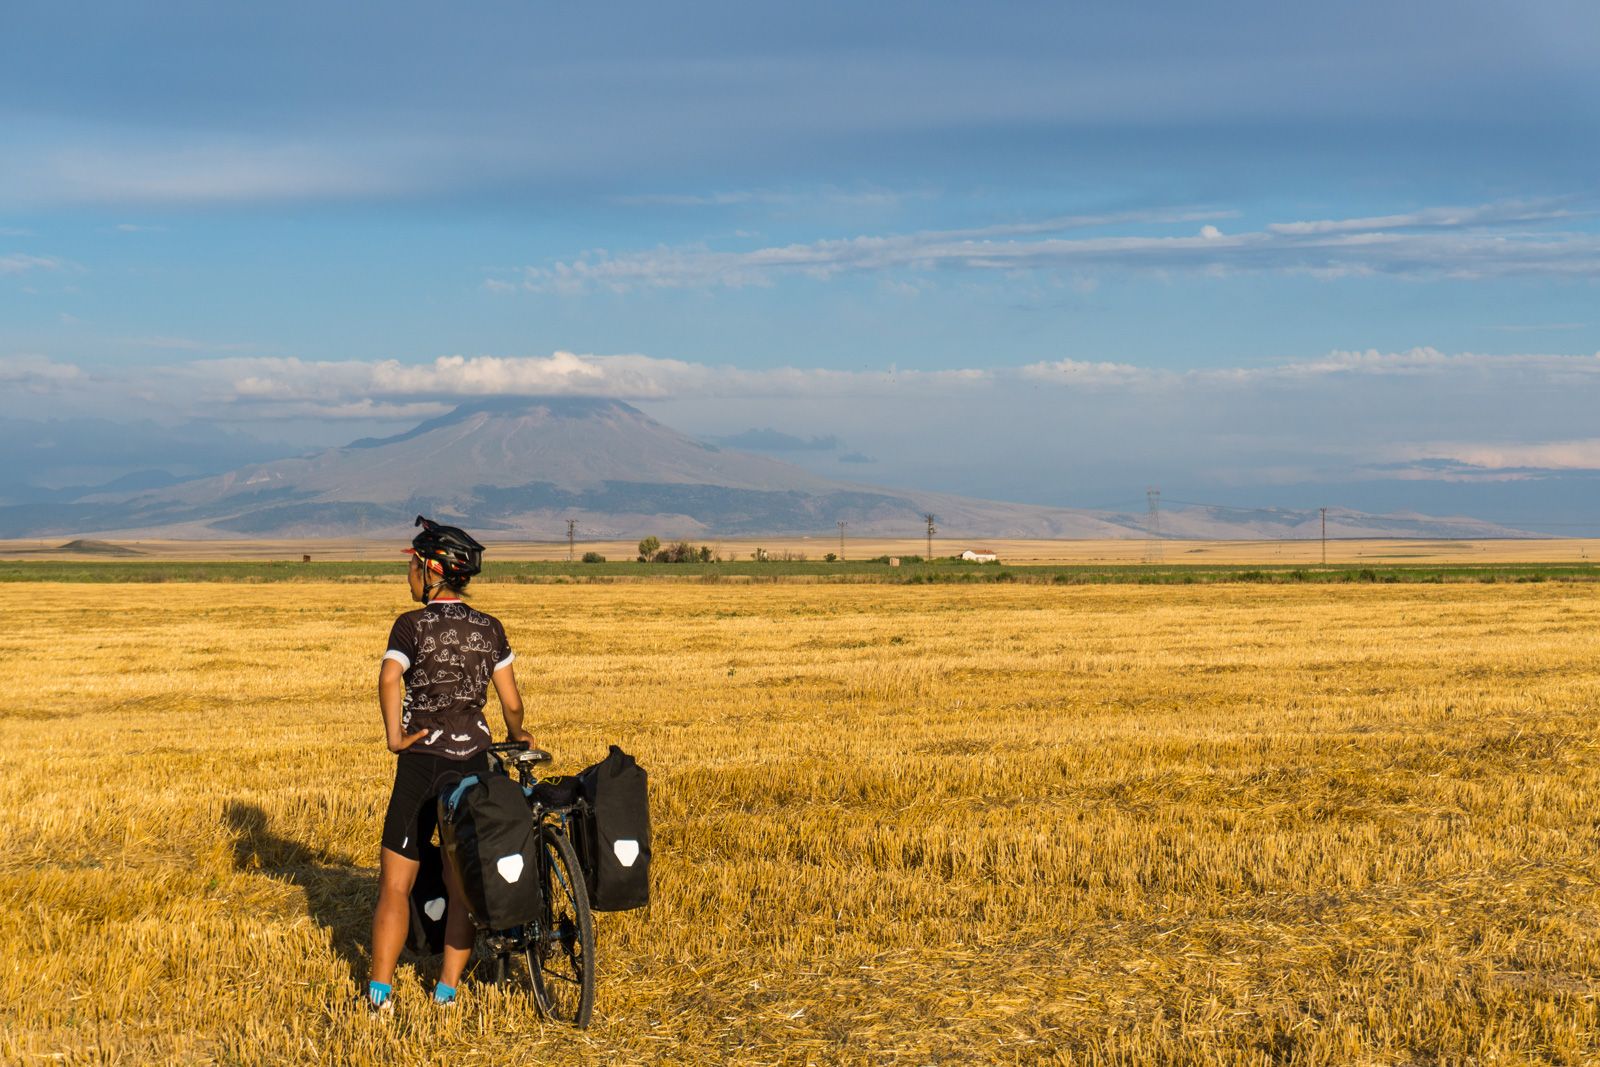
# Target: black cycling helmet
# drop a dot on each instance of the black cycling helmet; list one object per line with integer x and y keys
{"x": 448, "y": 551}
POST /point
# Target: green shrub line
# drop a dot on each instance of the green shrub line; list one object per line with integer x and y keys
{"x": 938, "y": 572}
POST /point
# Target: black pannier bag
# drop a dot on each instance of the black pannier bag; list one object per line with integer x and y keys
{"x": 491, "y": 843}
{"x": 613, "y": 839}
{"x": 556, "y": 791}
{"x": 429, "y": 899}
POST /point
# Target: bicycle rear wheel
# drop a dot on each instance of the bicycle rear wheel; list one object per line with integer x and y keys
{"x": 560, "y": 958}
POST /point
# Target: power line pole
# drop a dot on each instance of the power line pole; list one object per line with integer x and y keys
{"x": 1324, "y": 536}
{"x": 842, "y": 524}
{"x": 572, "y": 535}
{"x": 928, "y": 518}
{"x": 1152, "y": 526}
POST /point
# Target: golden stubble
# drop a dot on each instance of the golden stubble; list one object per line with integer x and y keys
{"x": 898, "y": 825}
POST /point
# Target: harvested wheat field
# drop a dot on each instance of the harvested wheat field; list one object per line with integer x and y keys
{"x": 894, "y": 825}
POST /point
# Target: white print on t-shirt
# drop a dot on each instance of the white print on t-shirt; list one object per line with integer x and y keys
{"x": 423, "y": 704}
{"x": 453, "y": 650}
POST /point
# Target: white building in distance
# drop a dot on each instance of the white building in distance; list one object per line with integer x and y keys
{"x": 980, "y": 555}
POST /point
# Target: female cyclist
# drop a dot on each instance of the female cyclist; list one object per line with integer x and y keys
{"x": 432, "y": 688}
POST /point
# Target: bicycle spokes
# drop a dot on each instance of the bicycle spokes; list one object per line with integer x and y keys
{"x": 561, "y": 957}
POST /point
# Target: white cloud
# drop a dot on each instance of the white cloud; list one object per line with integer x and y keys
{"x": 1582, "y": 454}
{"x": 364, "y": 410}
{"x": 1082, "y": 373}
{"x": 97, "y": 168}
{"x": 698, "y": 265}
{"x": 1349, "y": 364}
{"x": 37, "y": 373}
{"x": 1370, "y": 362}
{"x": 280, "y": 379}
{"x": 18, "y": 262}
{"x": 1456, "y": 243}
{"x": 268, "y": 383}
{"x": 271, "y": 386}
{"x": 826, "y": 195}
{"x": 1431, "y": 471}
{"x": 1497, "y": 214}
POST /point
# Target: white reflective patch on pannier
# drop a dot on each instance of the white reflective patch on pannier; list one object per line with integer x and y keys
{"x": 510, "y": 867}
{"x": 627, "y": 851}
{"x": 434, "y": 908}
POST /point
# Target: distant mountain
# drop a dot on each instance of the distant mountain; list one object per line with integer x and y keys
{"x": 1199, "y": 522}
{"x": 520, "y": 467}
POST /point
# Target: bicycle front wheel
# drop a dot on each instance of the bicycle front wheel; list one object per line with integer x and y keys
{"x": 560, "y": 956}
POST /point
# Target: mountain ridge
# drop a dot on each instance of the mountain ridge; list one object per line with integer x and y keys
{"x": 523, "y": 466}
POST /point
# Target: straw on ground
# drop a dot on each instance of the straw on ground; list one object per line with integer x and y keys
{"x": 894, "y": 824}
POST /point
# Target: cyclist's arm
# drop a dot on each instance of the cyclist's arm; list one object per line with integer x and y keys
{"x": 505, "y": 687}
{"x": 391, "y": 694}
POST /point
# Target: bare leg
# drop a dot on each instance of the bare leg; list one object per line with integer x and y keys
{"x": 458, "y": 932}
{"x": 392, "y": 919}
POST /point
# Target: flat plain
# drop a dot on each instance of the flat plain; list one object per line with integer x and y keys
{"x": 1132, "y": 550}
{"x": 1231, "y": 823}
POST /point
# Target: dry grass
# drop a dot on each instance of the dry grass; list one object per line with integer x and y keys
{"x": 896, "y": 825}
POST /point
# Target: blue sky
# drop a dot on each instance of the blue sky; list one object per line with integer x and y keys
{"x": 1251, "y": 252}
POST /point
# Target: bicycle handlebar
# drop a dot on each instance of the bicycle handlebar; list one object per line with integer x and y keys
{"x": 520, "y": 753}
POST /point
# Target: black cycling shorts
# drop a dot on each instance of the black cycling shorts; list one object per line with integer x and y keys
{"x": 419, "y": 778}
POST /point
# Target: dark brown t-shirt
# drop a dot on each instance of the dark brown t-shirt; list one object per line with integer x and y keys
{"x": 449, "y": 651}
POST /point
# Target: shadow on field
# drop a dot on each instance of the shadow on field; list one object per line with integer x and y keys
{"x": 338, "y": 896}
